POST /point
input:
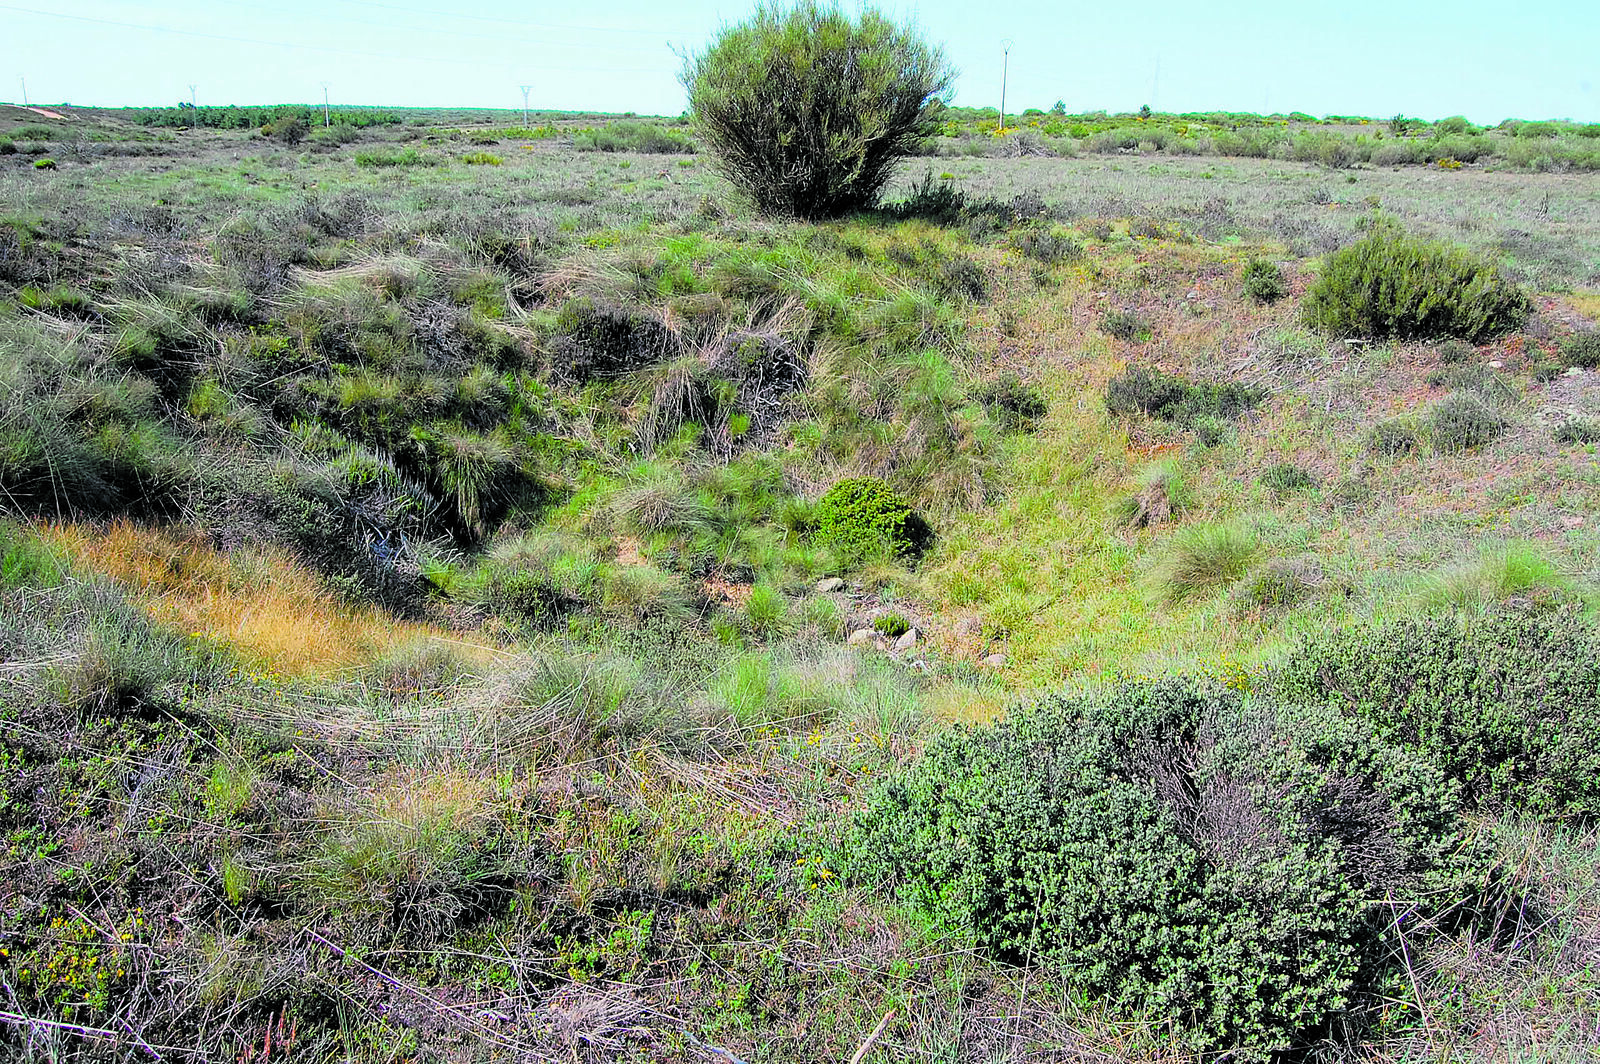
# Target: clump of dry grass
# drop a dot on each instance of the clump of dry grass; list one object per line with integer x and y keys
{"x": 263, "y": 602}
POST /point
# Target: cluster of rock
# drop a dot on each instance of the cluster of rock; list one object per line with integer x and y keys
{"x": 968, "y": 633}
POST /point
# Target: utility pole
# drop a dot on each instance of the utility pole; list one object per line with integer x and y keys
{"x": 326, "y": 122}
{"x": 191, "y": 95}
{"x": 1005, "y": 69}
{"x": 24, "y": 90}
{"x": 525, "y": 90}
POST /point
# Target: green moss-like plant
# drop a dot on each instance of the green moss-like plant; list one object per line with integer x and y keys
{"x": 861, "y": 517}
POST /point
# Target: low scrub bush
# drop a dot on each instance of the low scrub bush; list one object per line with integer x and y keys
{"x": 1281, "y": 584}
{"x": 1582, "y": 350}
{"x": 1233, "y": 868}
{"x": 1264, "y": 281}
{"x": 1012, "y": 404}
{"x": 1462, "y": 421}
{"x": 1506, "y": 702}
{"x": 1124, "y": 325}
{"x": 1394, "y": 436}
{"x": 598, "y": 339}
{"x": 1166, "y": 397}
{"x": 1391, "y": 284}
{"x": 641, "y": 137}
{"x": 1579, "y": 430}
{"x": 861, "y": 518}
{"x": 384, "y": 158}
{"x": 1285, "y": 478}
{"x": 481, "y": 158}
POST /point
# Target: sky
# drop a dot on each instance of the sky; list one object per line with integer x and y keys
{"x": 1422, "y": 58}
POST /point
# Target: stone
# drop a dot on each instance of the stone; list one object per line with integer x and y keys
{"x": 862, "y": 637}
{"x": 828, "y": 585}
{"x": 1495, "y": 363}
{"x": 995, "y": 661}
{"x": 906, "y": 641}
{"x": 1574, "y": 372}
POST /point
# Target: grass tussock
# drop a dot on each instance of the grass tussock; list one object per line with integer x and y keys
{"x": 270, "y": 607}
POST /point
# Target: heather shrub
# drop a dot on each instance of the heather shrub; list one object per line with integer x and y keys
{"x": 1507, "y": 702}
{"x": 1582, "y": 350}
{"x": 1578, "y": 430}
{"x": 1394, "y": 436}
{"x": 1231, "y": 867}
{"x": 807, "y": 111}
{"x": 861, "y": 517}
{"x": 1165, "y": 397}
{"x": 1394, "y": 285}
{"x": 1463, "y": 421}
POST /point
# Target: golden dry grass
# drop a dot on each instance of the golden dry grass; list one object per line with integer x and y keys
{"x": 263, "y": 602}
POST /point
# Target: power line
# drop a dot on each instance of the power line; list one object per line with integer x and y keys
{"x": 305, "y": 47}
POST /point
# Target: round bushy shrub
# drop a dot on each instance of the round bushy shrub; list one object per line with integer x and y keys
{"x": 1225, "y": 864}
{"x": 1508, "y": 703}
{"x": 861, "y": 517}
{"x": 1390, "y": 284}
{"x": 1264, "y": 281}
{"x": 808, "y": 112}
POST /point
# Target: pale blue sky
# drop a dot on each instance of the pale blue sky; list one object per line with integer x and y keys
{"x": 1426, "y": 58}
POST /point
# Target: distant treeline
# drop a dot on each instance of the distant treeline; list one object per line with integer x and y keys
{"x": 188, "y": 117}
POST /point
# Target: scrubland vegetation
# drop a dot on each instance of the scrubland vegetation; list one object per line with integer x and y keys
{"x": 479, "y": 590}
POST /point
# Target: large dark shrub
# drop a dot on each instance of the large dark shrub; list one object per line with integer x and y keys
{"x": 1394, "y": 285}
{"x": 807, "y": 111}
{"x": 861, "y": 517}
{"x": 1231, "y": 866}
{"x": 1507, "y": 703}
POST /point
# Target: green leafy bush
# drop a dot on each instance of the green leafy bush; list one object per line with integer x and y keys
{"x": 1165, "y": 397}
{"x": 891, "y": 625}
{"x": 1231, "y": 866}
{"x": 808, "y": 112}
{"x": 861, "y": 517}
{"x": 1391, "y": 284}
{"x": 1462, "y": 421}
{"x": 1507, "y": 702}
{"x": 1264, "y": 281}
